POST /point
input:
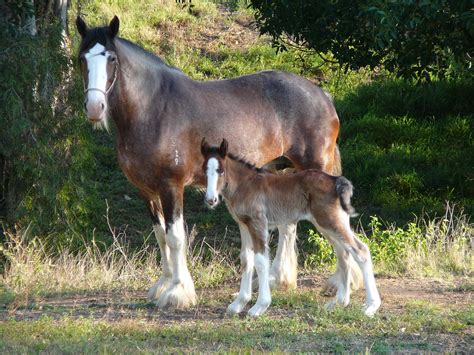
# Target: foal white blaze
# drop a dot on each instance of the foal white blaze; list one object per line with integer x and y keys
{"x": 96, "y": 101}
{"x": 212, "y": 196}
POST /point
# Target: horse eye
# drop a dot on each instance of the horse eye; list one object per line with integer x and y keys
{"x": 220, "y": 172}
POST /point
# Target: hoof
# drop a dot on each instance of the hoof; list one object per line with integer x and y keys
{"x": 329, "y": 307}
{"x": 371, "y": 308}
{"x": 158, "y": 288}
{"x": 235, "y": 307}
{"x": 257, "y": 310}
{"x": 282, "y": 281}
{"x": 177, "y": 296}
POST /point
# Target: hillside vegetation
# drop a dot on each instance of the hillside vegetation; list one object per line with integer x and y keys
{"x": 77, "y": 253}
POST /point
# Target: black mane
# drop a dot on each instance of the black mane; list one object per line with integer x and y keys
{"x": 247, "y": 164}
{"x": 103, "y": 35}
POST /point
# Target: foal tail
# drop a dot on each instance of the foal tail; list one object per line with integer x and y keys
{"x": 344, "y": 190}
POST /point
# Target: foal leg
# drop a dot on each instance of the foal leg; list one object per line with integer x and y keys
{"x": 180, "y": 293}
{"x": 343, "y": 285}
{"x": 283, "y": 272}
{"x": 259, "y": 233}
{"x": 355, "y": 276}
{"x": 158, "y": 226}
{"x": 247, "y": 264}
{"x": 361, "y": 254}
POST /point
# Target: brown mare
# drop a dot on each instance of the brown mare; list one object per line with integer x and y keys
{"x": 161, "y": 115}
{"x": 259, "y": 200}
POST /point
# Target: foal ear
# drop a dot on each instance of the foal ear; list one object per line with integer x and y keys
{"x": 114, "y": 26}
{"x": 81, "y": 26}
{"x": 223, "y": 148}
{"x": 204, "y": 147}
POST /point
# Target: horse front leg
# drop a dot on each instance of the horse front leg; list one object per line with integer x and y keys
{"x": 180, "y": 293}
{"x": 247, "y": 265}
{"x": 283, "y": 272}
{"x": 259, "y": 233}
{"x": 158, "y": 219}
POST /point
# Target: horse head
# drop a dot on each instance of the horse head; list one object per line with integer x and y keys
{"x": 213, "y": 168}
{"x": 99, "y": 67}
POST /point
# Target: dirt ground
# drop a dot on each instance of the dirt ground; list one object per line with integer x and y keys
{"x": 395, "y": 293}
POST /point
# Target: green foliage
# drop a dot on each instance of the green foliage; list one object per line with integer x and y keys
{"x": 411, "y": 38}
{"x": 320, "y": 252}
{"x": 44, "y": 144}
{"x": 395, "y": 142}
{"x": 423, "y": 247}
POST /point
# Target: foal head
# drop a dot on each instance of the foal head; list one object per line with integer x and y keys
{"x": 213, "y": 168}
{"x": 99, "y": 68}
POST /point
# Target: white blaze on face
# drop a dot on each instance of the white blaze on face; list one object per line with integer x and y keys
{"x": 97, "y": 79}
{"x": 212, "y": 196}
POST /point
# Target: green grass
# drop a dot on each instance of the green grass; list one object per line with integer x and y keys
{"x": 419, "y": 326}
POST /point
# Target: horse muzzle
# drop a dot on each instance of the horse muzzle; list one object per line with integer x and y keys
{"x": 211, "y": 201}
{"x": 95, "y": 110}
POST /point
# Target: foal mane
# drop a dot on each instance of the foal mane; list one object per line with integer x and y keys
{"x": 249, "y": 165}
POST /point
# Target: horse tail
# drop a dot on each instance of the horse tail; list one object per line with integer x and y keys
{"x": 337, "y": 166}
{"x": 344, "y": 190}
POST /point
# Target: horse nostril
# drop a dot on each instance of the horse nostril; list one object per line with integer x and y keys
{"x": 85, "y": 105}
{"x": 102, "y": 106}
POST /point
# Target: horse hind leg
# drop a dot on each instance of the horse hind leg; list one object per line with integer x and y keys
{"x": 180, "y": 293}
{"x": 342, "y": 283}
{"x": 355, "y": 276}
{"x": 283, "y": 273}
{"x": 361, "y": 254}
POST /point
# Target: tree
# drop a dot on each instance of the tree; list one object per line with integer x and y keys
{"x": 42, "y": 155}
{"x": 413, "y": 38}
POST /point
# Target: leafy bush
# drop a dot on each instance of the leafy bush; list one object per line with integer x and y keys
{"x": 424, "y": 247}
{"x": 411, "y": 38}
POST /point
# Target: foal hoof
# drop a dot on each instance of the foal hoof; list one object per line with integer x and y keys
{"x": 371, "y": 308}
{"x": 329, "y": 290}
{"x": 329, "y": 307}
{"x": 235, "y": 308}
{"x": 257, "y": 310}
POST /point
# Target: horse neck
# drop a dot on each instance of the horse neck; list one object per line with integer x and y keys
{"x": 138, "y": 82}
{"x": 238, "y": 175}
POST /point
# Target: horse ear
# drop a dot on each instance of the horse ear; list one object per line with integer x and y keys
{"x": 81, "y": 26}
{"x": 204, "y": 147}
{"x": 223, "y": 148}
{"x": 114, "y": 26}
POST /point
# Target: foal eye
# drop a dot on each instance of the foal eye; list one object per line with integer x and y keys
{"x": 220, "y": 172}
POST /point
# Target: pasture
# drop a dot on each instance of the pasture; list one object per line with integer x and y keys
{"x": 428, "y": 315}
{"x": 78, "y": 263}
